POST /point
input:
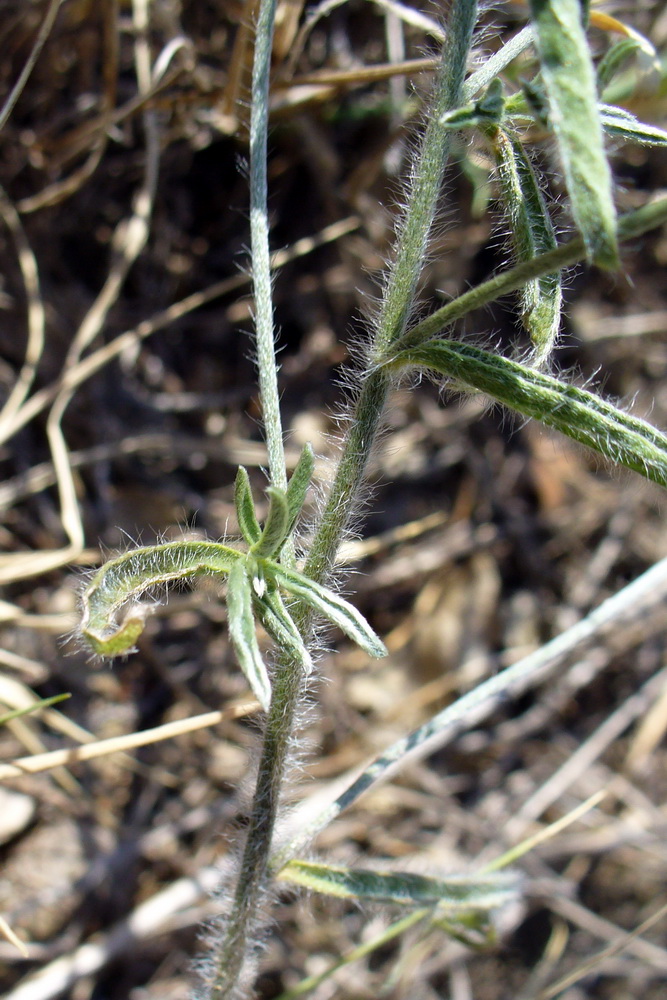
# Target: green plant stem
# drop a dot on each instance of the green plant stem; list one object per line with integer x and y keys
{"x": 248, "y": 896}
{"x": 399, "y": 290}
{"x": 630, "y": 226}
{"x": 398, "y": 303}
{"x": 496, "y": 63}
{"x": 234, "y": 949}
{"x": 261, "y": 257}
{"x": 400, "y": 283}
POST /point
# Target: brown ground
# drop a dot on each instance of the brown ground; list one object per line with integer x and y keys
{"x": 483, "y": 537}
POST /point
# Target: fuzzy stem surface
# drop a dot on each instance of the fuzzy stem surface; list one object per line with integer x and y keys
{"x": 232, "y": 960}
{"x": 399, "y": 289}
{"x": 261, "y": 256}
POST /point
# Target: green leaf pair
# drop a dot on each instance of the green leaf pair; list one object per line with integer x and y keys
{"x": 255, "y": 580}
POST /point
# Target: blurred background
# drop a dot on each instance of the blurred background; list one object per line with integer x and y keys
{"x": 126, "y": 368}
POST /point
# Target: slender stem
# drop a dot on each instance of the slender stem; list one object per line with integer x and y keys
{"x": 400, "y": 282}
{"x": 398, "y": 303}
{"x": 231, "y": 959}
{"x": 261, "y": 257}
{"x": 497, "y": 63}
{"x": 399, "y": 291}
{"x": 248, "y": 896}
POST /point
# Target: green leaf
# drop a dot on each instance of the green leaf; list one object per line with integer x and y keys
{"x": 124, "y": 580}
{"x": 618, "y": 121}
{"x": 275, "y": 527}
{"x": 452, "y": 894}
{"x": 532, "y": 234}
{"x": 614, "y": 58}
{"x": 298, "y": 485}
{"x": 342, "y": 614}
{"x": 245, "y": 508}
{"x": 569, "y": 79}
{"x": 486, "y": 110}
{"x": 278, "y": 622}
{"x": 586, "y": 418}
{"x": 243, "y": 633}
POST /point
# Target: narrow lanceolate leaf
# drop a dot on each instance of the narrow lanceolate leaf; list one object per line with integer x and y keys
{"x": 278, "y": 622}
{"x": 298, "y": 485}
{"x": 532, "y": 234}
{"x": 569, "y": 78}
{"x": 243, "y": 634}
{"x": 275, "y": 526}
{"x": 342, "y": 614}
{"x": 456, "y": 893}
{"x": 622, "y": 123}
{"x": 613, "y": 59}
{"x": 123, "y": 581}
{"x": 245, "y": 508}
{"x": 586, "y": 418}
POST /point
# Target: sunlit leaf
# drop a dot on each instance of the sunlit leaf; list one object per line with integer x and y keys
{"x": 121, "y": 582}
{"x": 622, "y": 123}
{"x": 620, "y": 437}
{"x": 243, "y": 633}
{"x": 279, "y": 624}
{"x": 569, "y": 79}
{"x": 449, "y": 894}
{"x": 340, "y": 612}
{"x": 245, "y": 508}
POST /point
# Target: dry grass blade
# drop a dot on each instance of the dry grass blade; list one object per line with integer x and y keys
{"x": 102, "y": 748}
{"x": 42, "y": 35}
{"x": 589, "y": 967}
{"x": 36, "y": 319}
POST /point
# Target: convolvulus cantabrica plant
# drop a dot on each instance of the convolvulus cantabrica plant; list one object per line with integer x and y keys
{"x": 563, "y": 95}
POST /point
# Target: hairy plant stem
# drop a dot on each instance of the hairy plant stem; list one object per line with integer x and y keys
{"x": 399, "y": 290}
{"x": 234, "y": 949}
{"x": 248, "y": 895}
{"x": 401, "y": 279}
{"x": 261, "y": 256}
{"x": 398, "y": 303}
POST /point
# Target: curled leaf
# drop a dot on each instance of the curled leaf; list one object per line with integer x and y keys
{"x": 121, "y": 582}
{"x": 532, "y": 234}
{"x": 454, "y": 893}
